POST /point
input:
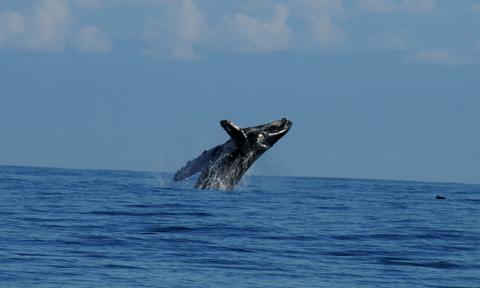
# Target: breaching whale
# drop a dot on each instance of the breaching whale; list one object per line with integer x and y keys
{"x": 223, "y": 166}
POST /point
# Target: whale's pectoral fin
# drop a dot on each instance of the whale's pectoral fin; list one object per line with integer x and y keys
{"x": 198, "y": 164}
{"x": 236, "y": 133}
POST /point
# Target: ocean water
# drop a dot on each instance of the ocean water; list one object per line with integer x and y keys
{"x": 88, "y": 228}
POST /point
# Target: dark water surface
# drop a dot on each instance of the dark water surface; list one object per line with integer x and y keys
{"x": 78, "y": 228}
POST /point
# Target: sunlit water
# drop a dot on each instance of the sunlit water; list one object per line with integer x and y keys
{"x": 77, "y": 228}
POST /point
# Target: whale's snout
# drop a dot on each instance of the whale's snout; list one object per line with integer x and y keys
{"x": 287, "y": 123}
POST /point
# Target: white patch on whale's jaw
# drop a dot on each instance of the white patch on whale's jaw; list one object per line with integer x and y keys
{"x": 260, "y": 141}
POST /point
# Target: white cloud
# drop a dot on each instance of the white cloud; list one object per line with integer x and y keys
{"x": 90, "y": 4}
{"x": 326, "y": 32}
{"x": 331, "y": 7}
{"x": 475, "y": 8}
{"x": 435, "y": 56}
{"x": 377, "y": 6}
{"x": 182, "y": 31}
{"x": 417, "y": 7}
{"x": 91, "y": 40}
{"x": 420, "y": 7}
{"x": 320, "y": 16}
{"x": 254, "y": 35}
{"x": 189, "y": 25}
{"x": 50, "y": 25}
{"x": 177, "y": 33}
{"x": 47, "y": 26}
{"x": 12, "y": 26}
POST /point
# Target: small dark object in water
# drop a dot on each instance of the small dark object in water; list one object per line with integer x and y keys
{"x": 440, "y": 197}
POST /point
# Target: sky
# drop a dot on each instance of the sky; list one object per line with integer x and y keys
{"x": 379, "y": 89}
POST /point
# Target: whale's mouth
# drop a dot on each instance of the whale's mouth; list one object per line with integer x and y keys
{"x": 279, "y": 128}
{"x": 274, "y": 131}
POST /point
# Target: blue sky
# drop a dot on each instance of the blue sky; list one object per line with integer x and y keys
{"x": 376, "y": 88}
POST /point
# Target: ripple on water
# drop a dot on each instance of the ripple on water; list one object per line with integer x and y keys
{"x": 63, "y": 228}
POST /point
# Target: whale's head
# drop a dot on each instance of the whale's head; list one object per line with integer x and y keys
{"x": 259, "y": 137}
{"x": 268, "y": 134}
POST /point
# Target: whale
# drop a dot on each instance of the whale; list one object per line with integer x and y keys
{"x": 222, "y": 166}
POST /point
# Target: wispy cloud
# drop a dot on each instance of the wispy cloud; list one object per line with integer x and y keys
{"x": 90, "y": 4}
{"x": 377, "y": 6}
{"x": 420, "y": 7}
{"x": 12, "y": 26}
{"x": 183, "y": 31}
{"x": 253, "y": 35}
{"x": 320, "y": 17}
{"x": 435, "y": 56}
{"x": 326, "y": 32}
{"x": 177, "y": 33}
{"x": 45, "y": 26}
{"x": 475, "y": 8}
{"x": 188, "y": 29}
{"x": 91, "y": 40}
{"x": 50, "y": 25}
{"x": 331, "y": 7}
{"x": 417, "y": 7}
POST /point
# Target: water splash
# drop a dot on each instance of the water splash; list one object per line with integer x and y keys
{"x": 225, "y": 173}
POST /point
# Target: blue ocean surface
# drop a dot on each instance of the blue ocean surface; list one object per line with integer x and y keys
{"x": 93, "y": 228}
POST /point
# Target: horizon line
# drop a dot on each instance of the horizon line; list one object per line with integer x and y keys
{"x": 254, "y": 175}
